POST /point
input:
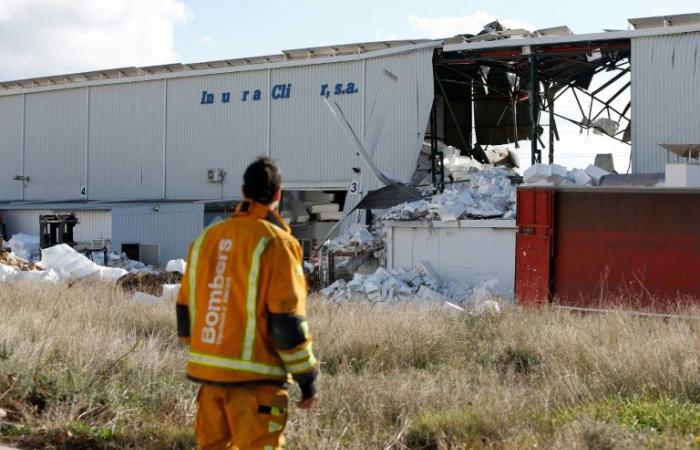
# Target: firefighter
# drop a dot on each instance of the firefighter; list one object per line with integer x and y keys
{"x": 242, "y": 312}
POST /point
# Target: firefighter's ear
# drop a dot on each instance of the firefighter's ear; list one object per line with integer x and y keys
{"x": 278, "y": 195}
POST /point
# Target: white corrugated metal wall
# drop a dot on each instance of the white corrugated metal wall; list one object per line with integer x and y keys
{"x": 11, "y": 124}
{"x": 665, "y": 97}
{"x": 92, "y": 224}
{"x": 219, "y": 135}
{"x": 55, "y": 147}
{"x": 126, "y": 142}
{"x": 172, "y": 227}
{"x": 137, "y": 140}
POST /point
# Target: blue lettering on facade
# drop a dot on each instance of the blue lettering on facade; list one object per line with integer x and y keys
{"x": 279, "y": 92}
{"x": 207, "y": 98}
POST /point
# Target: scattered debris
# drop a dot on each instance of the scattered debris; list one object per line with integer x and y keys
{"x": 355, "y": 237}
{"x": 604, "y": 126}
{"x": 596, "y": 173}
{"x": 176, "y": 265}
{"x": 487, "y": 193}
{"x": 148, "y": 283}
{"x": 420, "y": 285}
{"x": 556, "y": 175}
{"x": 70, "y": 264}
{"x": 169, "y": 294}
{"x": 25, "y": 246}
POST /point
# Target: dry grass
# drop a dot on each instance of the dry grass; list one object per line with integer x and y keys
{"x": 83, "y": 367}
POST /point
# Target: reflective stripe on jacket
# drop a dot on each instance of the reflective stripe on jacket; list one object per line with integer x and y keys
{"x": 241, "y": 272}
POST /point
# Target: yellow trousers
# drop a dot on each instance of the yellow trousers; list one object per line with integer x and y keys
{"x": 241, "y": 418}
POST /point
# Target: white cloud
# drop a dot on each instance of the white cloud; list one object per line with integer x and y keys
{"x": 45, "y": 37}
{"x": 205, "y": 40}
{"x": 448, "y": 26}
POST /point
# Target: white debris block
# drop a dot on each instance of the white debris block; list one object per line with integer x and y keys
{"x": 545, "y": 175}
{"x": 449, "y": 212}
{"x": 487, "y": 307}
{"x": 333, "y": 288}
{"x": 171, "y": 290}
{"x": 37, "y": 276}
{"x": 603, "y": 126}
{"x": 596, "y": 173}
{"x": 176, "y": 266}
{"x": 537, "y": 172}
{"x": 428, "y": 295}
{"x": 141, "y": 298}
{"x": 579, "y": 177}
{"x": 326, "y": 207}
{"x": 7, "y": 273}
{"x": 69, "y": 264}
{"x": 355, "y": 236}
{"x": 329, "y": 215}
{"x": 486, "y": 291}
{"x": 558, "y": 171}
{"x": 427, "y": 271}
{"x": 26, "y": 246}
{"x": 451, "y": 306}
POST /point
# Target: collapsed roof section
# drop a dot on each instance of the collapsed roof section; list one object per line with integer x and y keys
{"x": 512, "y": 77}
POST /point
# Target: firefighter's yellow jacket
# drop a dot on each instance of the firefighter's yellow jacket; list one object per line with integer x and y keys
{"x": 242, "y": 304}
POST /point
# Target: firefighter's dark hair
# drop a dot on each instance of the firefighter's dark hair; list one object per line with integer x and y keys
{"x": 261, "y": 180}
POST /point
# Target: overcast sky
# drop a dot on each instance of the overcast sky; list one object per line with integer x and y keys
{"x": 45, "y": 37}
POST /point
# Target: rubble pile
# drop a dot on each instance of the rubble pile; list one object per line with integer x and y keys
{"x": 355, "y": 237}
{"x": 486, "y": 194}
{"x": 420, "y": 285}
{"x": 556, "y": 175}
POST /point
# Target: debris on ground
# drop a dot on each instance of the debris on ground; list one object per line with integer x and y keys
{"x": 70, "y": 265}
{"x": 25, "y": 246}
{"x": 168, "y": 295}
{"x": 420, "y": 285}
{"x": 12, "y": 260}
{"x": 176, "y": 265}
{"x": 148, "y": 283}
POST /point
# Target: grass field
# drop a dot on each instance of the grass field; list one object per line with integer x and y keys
{"x": 84, "y": 368}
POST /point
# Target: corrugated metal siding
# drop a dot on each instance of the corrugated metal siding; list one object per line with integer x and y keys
{"x": 55, "y": 144}
{"x": 127, "y": 141}
{"x": 172, "y": 228}
{"x": 219, "y": 135}
{"x": 149, "y": 140}
{"x": 305, "y": 138}
{"x": 11, "y": 136}
{"x": 404, "y": 130}
{"x": 91, "y": 224}
{"x": 665, "y": 97}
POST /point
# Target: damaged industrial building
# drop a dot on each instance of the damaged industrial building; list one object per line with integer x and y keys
{"x": 420, "y": 132}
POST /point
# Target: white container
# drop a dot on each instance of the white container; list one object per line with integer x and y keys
{"x": 472, "y": 251}
{"x": 682, "y": 175}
